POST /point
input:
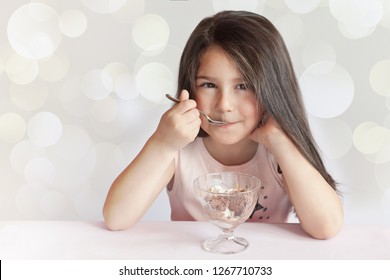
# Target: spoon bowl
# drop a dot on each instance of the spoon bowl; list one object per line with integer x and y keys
{"x": 210, "y": 120}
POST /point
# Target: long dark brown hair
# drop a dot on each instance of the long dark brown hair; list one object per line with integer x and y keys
{"x": 261, "y": 56}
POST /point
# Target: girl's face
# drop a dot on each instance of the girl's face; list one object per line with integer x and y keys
{"x": 222, "y": 94}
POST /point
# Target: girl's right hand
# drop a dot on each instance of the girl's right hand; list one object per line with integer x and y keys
{"x": 180, "y": 125}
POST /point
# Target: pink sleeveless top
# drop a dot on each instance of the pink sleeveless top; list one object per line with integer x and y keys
{"x": 194, "y": 160}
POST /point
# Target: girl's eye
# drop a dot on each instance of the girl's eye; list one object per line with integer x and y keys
{"x": 242, "y": 86}
{"x": 208, "y": 85}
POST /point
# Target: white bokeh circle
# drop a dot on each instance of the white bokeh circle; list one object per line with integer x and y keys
{"x": 248, "y": 5}
{"x": 125, "y": 87}
{"x": 29, "y": 97}
{"x": 45, "y": 129}
{"x": 357, "y": 19}
{"x": 385, "y": 22}
{"x": 355, "y": 32}
{"x": 74, "y": 144}
{"x": 334, "y": 136}
{"x": 377, "y": 138}
{"x": 170, "y": 57}
{"x": 105, "y": 110}
{"x": 54, "y": 4}
{"x": 154, "y": 80}
{"x": 365, "y": 13}
{"x": 40, "y": 170}
{"x": 73, "y": 23}
{"x": 97, "y": 84}
{"x": 116, "y": 69}
{"x": 327, "y": 91}
{"x": 150, "y": 33}
{"x": 113, "y": 128}
{"x": 382, "y": 156}
{"x": 104, "y": 6}
{"x": 12, "y": 127}
{"x": 74, "y": 102}
{"x": 318, "y": 51}
{"x": 124, "y": 83}
{"x": 130, "y": 11}
{"x": 6, "y": 52}
{"x": 302, "y": 6}
{"x": 373, "y": 141}
{"x": 128, "y": 120}
{"x": 22, "y": 153}
{"x": 21, "y": 70}
{"x": 291, "y": 27}
{"x": 324, "y": 3}
{"x": 360, "y": 136}
{"x": 370, "y": 138}
{"x": 276, "y": 4}
{"x": 73, "y": 171}
{"x": 55, "y": 68}
{"x": 33, "y": 31}
{"x": 380, "y": 78}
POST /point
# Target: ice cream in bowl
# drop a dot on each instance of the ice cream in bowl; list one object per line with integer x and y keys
{"x": 227, "y": 199}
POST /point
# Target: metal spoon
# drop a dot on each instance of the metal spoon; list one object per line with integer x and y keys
{"x": 211, "y": 121}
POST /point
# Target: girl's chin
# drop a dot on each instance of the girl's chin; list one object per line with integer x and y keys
{"x": 229, "y": 130}
{"x": 229, "y": 141}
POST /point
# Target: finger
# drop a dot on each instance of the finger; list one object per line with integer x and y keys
{"x": 191, "y": 116}
{"x": 185, "y": 105}
{"x": 184, "y": 95}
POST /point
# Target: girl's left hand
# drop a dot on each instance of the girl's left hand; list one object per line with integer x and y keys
{"x": 267, "y": 128}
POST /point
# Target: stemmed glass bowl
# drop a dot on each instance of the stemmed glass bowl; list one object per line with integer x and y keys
{"x": 228, "y": 200}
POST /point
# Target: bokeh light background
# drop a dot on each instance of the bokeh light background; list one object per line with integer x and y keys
{"x": 82, "y": 86}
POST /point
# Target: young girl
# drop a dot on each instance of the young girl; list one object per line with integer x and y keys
{"x": 235, "y": 68}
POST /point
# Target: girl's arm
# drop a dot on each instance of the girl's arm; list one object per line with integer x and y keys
{"x": 317, "y": 204}
{"x": 134, "y": 190}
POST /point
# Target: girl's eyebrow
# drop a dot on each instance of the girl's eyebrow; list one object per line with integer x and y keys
{"x": 204, "y": 77}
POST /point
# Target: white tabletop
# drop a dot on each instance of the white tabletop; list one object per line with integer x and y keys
{"x": 181, "y": 240}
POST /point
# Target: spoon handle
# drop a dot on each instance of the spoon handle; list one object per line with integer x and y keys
{"x": 170, "y": 97}
{"x": 211, "y": 121}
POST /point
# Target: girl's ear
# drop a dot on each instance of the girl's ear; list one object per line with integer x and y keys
{"x": 263, "y": 115}
{"x": 264, "y": 118}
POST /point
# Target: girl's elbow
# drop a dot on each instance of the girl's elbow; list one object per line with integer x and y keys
{"x": 327, "y": 229}
{"x": 115, "y": 224}
{"x": 326, "y": 233}
{"x": 109, "y": 222}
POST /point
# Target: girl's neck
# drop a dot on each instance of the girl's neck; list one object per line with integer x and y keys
{"x": 235, "y": 154}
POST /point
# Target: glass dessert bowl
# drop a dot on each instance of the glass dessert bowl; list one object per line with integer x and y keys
{"x": 227, "y": 199}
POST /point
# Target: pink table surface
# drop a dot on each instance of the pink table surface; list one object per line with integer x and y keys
{"x": 62, "y": 240}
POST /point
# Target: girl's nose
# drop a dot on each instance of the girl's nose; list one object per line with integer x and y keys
{"x": 225, "y": 101}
